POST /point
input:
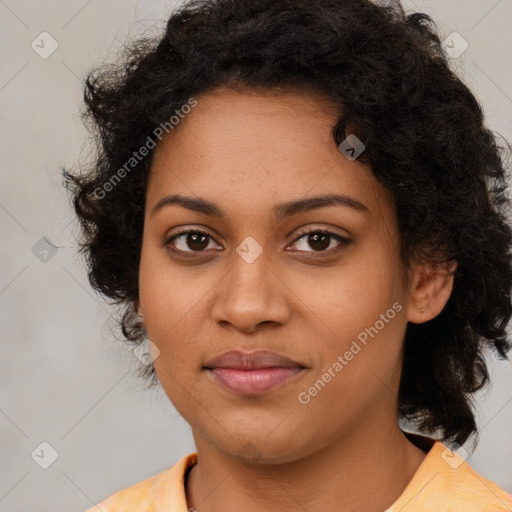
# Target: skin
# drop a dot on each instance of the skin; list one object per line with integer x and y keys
{"x": 246, "y": 151}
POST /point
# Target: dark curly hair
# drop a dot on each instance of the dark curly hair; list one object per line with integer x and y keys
{"x": 425, "y": 139}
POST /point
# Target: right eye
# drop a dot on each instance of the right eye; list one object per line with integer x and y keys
{"x": 189, "y": 241}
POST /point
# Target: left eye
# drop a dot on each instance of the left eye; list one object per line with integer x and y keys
{"x": 321, "y": 241}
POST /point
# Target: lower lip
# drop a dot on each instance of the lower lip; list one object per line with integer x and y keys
{"x": 253, "y": 381}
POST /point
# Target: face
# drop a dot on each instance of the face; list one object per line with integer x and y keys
{"x": 269, "y": 265}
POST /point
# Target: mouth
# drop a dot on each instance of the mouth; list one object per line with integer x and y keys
{"x": 254, "y": 372}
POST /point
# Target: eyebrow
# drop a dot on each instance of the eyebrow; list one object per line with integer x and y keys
{"x": 280, "y": 210}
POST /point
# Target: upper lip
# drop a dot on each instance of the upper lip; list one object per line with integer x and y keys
{"x": 242, "y": 360}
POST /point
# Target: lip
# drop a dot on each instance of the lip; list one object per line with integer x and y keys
{"x": 250, "y": 360}
{"x": 252, "y": 372}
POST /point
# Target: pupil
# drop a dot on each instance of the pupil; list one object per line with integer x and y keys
{"x": 315, "y": 238}
{"x": 195, "y": 240}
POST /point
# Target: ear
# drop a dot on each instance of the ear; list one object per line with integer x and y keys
{"x": 431, "y": 287}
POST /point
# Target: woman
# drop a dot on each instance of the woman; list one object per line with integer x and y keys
{"x": 303, "y": 215}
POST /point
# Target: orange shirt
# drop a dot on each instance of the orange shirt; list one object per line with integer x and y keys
{"x": 444, "y": 482}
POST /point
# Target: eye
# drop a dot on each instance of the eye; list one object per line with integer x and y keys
{"x": 321, "y": 241}
{"x": 189, "y": 241}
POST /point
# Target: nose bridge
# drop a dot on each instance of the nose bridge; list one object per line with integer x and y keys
{"x": 250, "y": 265}
{"x": 250, "y": 293}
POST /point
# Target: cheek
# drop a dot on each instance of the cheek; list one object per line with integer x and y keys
{"x": 167, "y": 300}
{"x": 166, "y": 291}
{"x": 361, "y": 305}
{"x": 353, "y": 296}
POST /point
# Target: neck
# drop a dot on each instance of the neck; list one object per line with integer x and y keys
{"x": 364, "y": 470}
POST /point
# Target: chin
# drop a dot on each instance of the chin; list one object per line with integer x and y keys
{"x": 260, "y": 449}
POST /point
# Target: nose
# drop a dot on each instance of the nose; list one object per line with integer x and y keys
{"x": 250, "y": 295}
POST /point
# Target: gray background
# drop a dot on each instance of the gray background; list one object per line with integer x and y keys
{"x": 65, "y": 379}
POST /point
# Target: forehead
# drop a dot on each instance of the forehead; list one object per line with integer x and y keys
{"x": 258, "y": 146}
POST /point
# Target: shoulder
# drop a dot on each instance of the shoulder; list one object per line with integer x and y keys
{"x": 445, "y": 481}
{"x": 165, "y": 489}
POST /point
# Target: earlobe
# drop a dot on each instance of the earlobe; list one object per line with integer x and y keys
{"x": 432, "y": 287}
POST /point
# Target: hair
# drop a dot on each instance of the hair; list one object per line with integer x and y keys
{"x": 425, "y": 140}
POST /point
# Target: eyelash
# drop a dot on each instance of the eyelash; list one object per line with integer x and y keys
{"x": 344, "y": 242}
